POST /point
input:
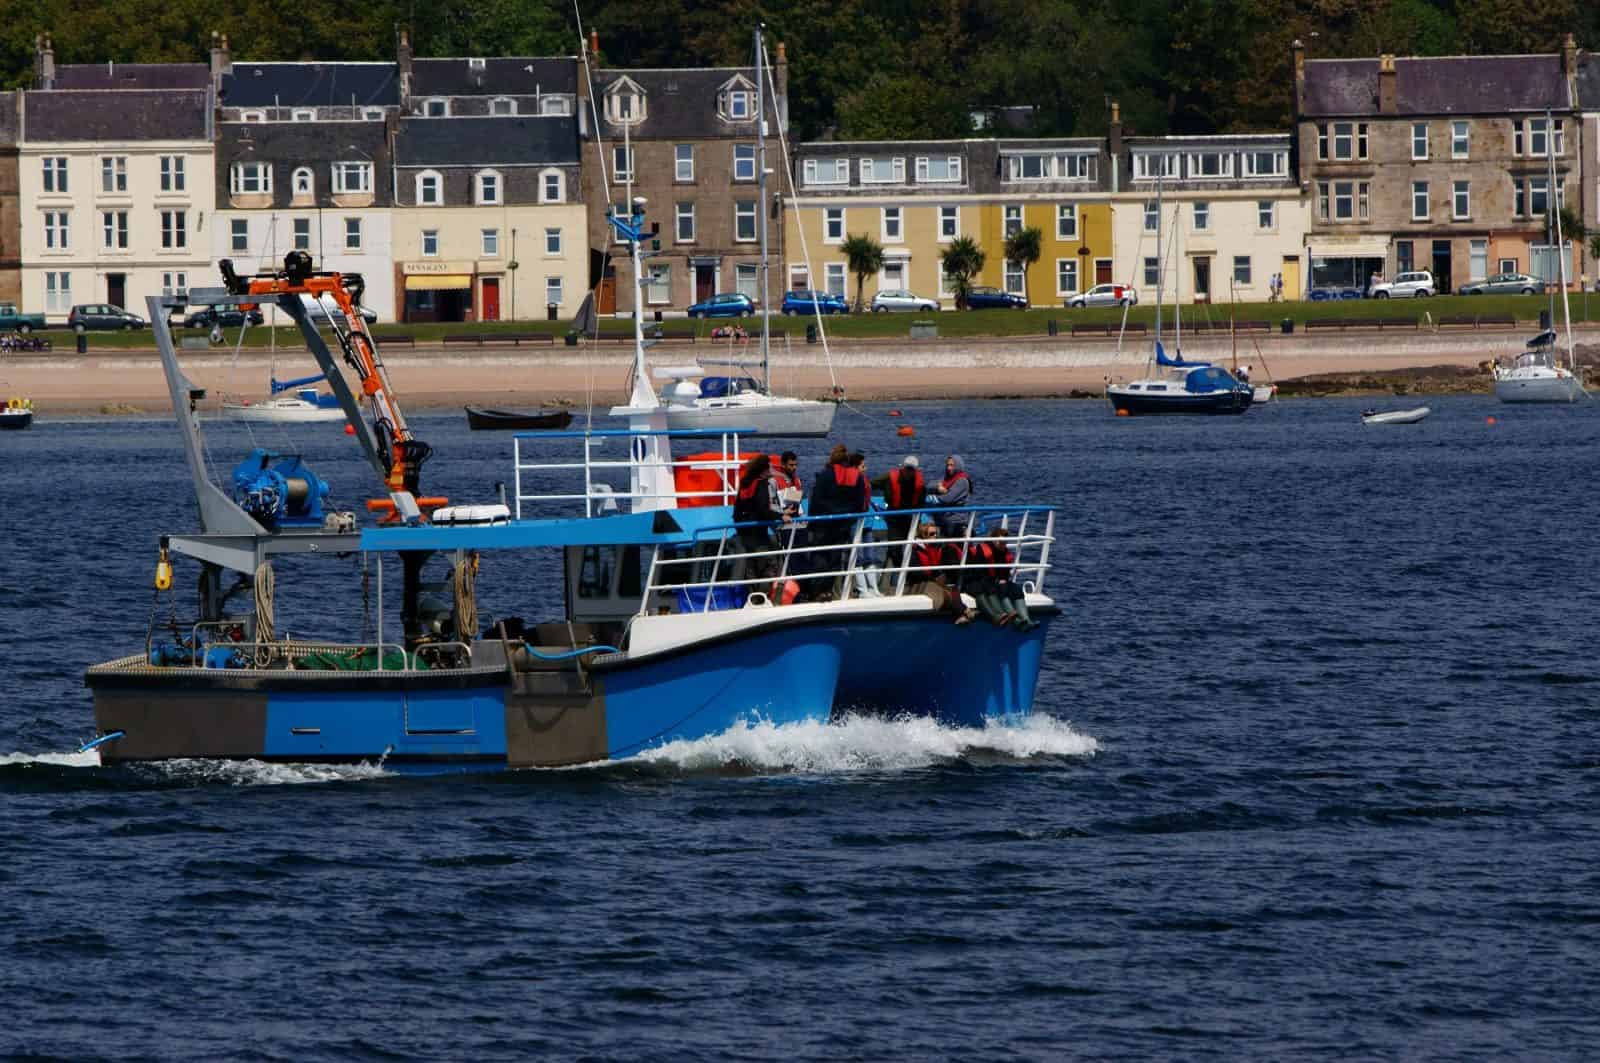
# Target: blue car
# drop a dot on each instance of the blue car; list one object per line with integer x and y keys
{"x": 993, "y": 298}
{"x": 807, "y": 302}
{"x": 728, "y": 304}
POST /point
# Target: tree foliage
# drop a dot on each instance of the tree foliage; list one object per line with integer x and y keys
{"x": 862, "y": 255}
{"x": 962, "y": 260}
{"x": 861, "y": 68}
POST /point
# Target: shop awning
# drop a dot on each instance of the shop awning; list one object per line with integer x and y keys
{"x": 438, "y": 281}
{"x": 1348, "y": 247}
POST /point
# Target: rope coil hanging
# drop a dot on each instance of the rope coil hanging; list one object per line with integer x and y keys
{"x": 464, "y": 584}
{"x": 264, "y": 628}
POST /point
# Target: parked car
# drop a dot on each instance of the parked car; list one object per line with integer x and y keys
{"x": 900, "y": 299}
{"x": 808, "y": 302}
{"x": 13, "y": 319}
{"x": 102, "y": 317}
{"x": 318, "y": 312}
{"x": 1105, "y": 295}
{"x": 1503, "y": 284}
{"x": 728, "y": 304}
{"x": 226, "y": 316}
{"x": 985, "y": 298}
{"x": 1406, "y": 286}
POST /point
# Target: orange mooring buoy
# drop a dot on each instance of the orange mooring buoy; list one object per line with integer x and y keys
{"x": 905, "y": 430}
{"x": 349, "y": 429}
{"x": 894, "y": 413}
{"x": 1122, "y": 413}
{"x": 1491, "y": 420}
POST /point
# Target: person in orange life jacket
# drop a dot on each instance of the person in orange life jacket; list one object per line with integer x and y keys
{"x": 836, "y": 491}
{"x": 989, "y": 564}
{"x": 757, "y": 500}
{"x": 786, "y": 478}
{"x": 954, "y": 490}
{"x": 902, "y": 489}
{"x": 932, "y": 577}
{"x": 869, "y": 555}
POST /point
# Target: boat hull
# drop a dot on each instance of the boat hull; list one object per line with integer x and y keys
{"x": 1145, "y": 403}
{"x": 11, "y": 420}
{"x": 1545, "y": 389}
{"x": 484, "y": 420}
{"x": 797, "y": 420}
{"x": 1397, "y": 416}
{"x": 270, "y": 413}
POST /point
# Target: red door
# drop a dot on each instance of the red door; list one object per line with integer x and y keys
{"x": 491, "y": 299}
{"x": 605, "y": 301}
{"x": 705, "y": 283}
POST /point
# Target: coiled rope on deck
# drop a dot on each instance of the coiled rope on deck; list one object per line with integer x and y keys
{"x": 264, "y": 628}
{"x": 464, "y": 581}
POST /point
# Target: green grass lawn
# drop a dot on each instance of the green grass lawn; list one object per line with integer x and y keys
{"x": 959, "y": 324}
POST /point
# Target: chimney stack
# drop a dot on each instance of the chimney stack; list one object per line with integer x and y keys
{"x": 221, "y": 60}
{"x": 1299, "y": 76}
{"x": 594, "y": 43}
{"x": 1388, "y": 91}
{"x": 402, "y": 59}
{"x": 44, "y": 62}
{"x": 1114, "y": 144}
{"x": 780, "y": 77}
{"x": 1569, "y": 55}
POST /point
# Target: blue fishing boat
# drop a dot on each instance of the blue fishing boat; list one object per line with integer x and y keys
{"x": 671, "y": 622}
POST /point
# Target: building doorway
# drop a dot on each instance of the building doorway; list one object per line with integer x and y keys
{"x": 605, "y": 295}
{"x": 1480, "y": 259}
{"x": 1291, "y": 277}
{"x": 117, "y": 289}
{"x": 1102, "y": 271}
{"x": 1202, "y": 280}
{"x": 490, "y": 299}
{"x": 1441, "y": 266}
{"x": 705, "y": 283}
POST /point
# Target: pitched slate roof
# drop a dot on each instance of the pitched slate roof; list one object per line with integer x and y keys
{"x": 1589, "y": 82}
{"x": 311, "y": 85}
{"x": 1461, "y": 84}
{"x": 127, "y": 114}
{"x": 509, "y": 76}
{"x": 679, "y": 103}
{"x": 307, "y": 142}
{"x": 8, "y": 118}
{"x": 498, "y": 141}
{"x": 132, "y": 76}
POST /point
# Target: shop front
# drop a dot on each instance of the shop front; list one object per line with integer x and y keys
{"x": 438, "y": 291}
{"x": 1344, "y": 267}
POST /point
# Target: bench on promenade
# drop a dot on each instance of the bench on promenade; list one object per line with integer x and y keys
{"x": 1223, "y": 326}
{"x": 1483, "y": 321}
{"x": 1084, "y": 329}
{"x": 1379, "y": 323}
{"x": 396, "y": 341}
{"x": 516, "y": 339}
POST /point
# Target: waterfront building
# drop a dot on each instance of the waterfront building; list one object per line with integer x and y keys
{"x": 1588, "y": 89}
{"x": 1438, "y": 164}
{"x": 915, "y": 197}
{"x": 487, "y": 222}
{"x": 685, "y": 140}
{"x": 1233, "y": 221}
{"x": 10, "y": 205}
{"x": 304, "y": 162}
{"x": 115, "y": 186}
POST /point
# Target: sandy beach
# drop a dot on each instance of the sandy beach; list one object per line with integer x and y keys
{"x": 132, "y": 382}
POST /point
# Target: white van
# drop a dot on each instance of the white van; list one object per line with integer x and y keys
{"x": 1407, "y": 286}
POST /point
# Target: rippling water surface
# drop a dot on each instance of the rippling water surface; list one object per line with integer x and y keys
{"x": 1315, "y": 777}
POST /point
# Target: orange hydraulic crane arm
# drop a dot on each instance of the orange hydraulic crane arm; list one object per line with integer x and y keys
{"x": 402, "y": 452}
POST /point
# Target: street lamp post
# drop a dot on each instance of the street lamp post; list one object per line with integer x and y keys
{"x": 1083, "y": 267}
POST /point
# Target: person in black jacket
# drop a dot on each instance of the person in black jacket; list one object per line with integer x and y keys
{"x": 757, "y": 500}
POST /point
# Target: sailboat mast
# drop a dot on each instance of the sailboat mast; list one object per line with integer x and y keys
{"x": 1554, "y": 203}
{"x": 1160, "y": 265}
{"x": 761, "y": 208}
{"x": 1177, "y": 278}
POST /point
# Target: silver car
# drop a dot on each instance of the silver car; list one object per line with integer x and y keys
{"x": 1105, "y": 295}
{"x": 1503, "y": 284}
{"x": 900, "y": 299}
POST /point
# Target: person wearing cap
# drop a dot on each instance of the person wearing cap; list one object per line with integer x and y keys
{"x": 902, "y": 489}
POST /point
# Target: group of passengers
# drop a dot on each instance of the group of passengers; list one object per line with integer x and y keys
{"x": 928, "y": 544}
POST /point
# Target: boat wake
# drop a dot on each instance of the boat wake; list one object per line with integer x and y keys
{"x": 262, "y": 773}
{"x": 866, "y": 744}
{"x": 91, "y": 759}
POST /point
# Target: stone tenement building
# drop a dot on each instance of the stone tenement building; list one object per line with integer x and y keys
{"x": 1439, "y": 164}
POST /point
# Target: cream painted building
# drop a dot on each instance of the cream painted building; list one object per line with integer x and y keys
{"x": 1232, "y": 218}
{"x": 488, "y": 224}
{"x": 116, "y": 193}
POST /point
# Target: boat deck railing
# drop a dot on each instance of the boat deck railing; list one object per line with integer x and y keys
{"x": 870, "y": 566}
{"x": 644, "y": 453}
{"x": 291, "y": 655}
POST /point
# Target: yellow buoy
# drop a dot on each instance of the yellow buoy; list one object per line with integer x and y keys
{"x": 163, "y": 573}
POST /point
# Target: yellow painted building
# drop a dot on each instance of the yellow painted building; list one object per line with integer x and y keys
{"x": 913, "y": 198}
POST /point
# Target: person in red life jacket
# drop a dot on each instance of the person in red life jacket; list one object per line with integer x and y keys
{"x": 757, "y": 500}
{"x": 902, "y": 489}
{"x": 869, "y": 554}
{"x": 988, "y": 580}
{"x": 933, "y": 573}
{"x": 786, "y": 478}
{"x": 954, "y": 490}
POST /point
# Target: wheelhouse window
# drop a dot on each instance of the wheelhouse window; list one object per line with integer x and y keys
{"x": 351, "y": 178}
{"x": 250, "y": 178}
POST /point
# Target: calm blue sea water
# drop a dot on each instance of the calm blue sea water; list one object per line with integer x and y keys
{"x": 1316, "y": 777}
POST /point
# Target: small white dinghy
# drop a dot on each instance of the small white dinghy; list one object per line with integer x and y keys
{"x": 1411, "y": 416}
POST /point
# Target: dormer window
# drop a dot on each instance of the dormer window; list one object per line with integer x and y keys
{"x": 430, "y": 189}
{"x": 1204, "y": 165}
{"x": 555, "y": 105}
{"x": 826, "y": 172}
{"x": 552, "y": 186}
{"x": 883, "y": 171}
{"x": 302, "y": 182}
{"x": 488, "y": 185}
{"x": 252, "y": 116}
{"x": 438, "y": 107}
{"x": 625, "y": 102}
{"x": 373, "y": 114}
{"x": 476, "y": 64}
{"x": 736, "y": 100}
{"x": 1147, "y": 166}
{"x": 939, "y": 168}
{"x": 502, "y": 105}
{"x": 1272, "y": 163}
{"x": 250, "y": 178}
{"x": 304, "y": 114}
{"x": 352, "y": 178}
